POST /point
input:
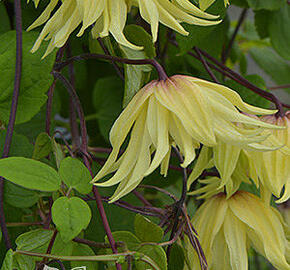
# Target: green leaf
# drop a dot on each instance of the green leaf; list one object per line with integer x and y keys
{"x": 279, "y": 31}
{"x": 176, "y": 259}
{"x": 42, "y": 146}
{"x": 71, "y": 216}
{"x": 136, "y": 75}
{"x": 75, "y": 175}
{"x": 156, "y": 253}
{"x": 203, "y": 37}
{"x": 265, "y": 4}
{"x": 5, "y": 23}
{"x": 146, "y": 230}
{"x": 83, "y": 250}
{"x": 107, "y": 99}
{"x": 20, "y": 145}
{"x": 35, "y": 79}
{"x": 262, "y": 22}
{"x": 131, "y": 241}
{"x": 15, "y": 195}
{"x": 35, "y": 241}
{"x": 58, "y": 153}
{"x": 8, "y": 261}
{"x": 23, "y": 262}
{"x": 62, "y": 248}
{"x": 274, "y": 65}
{"x": 30, "y": 174}
{"x": 20, "y": 197}
{"x": 248, "y": 95}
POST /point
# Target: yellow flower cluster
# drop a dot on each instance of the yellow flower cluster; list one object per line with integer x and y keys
{"x": 228, "y": 228}
{"x": 182, "y": 111}
{"x": 187, "y": 112}
{"x": 110, "y": 16}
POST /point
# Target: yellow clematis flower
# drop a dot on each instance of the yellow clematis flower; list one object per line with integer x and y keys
{"x": 109, "y": 16}
{"x": 272, "y": 168}
{"x": 232, "y": 162}
{"x": 181, "y": 110}
{"x": 227, "y": 228}
{"x": 204, "y": 4}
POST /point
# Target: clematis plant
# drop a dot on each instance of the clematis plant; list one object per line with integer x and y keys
{"x": 135, "y": 136}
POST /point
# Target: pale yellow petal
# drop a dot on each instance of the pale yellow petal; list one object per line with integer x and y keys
{"x": 189, "y": 7}
{"x": 208, "y": 221}
{"x": 149, "y": 13}
{"x": 265, "y": 225}
{"x": 235, "y": 236}
{"x": 234, "y": 98}
{"x": 203, "y": 161}
{"x": 225, "y": 159}
{"x": 44, "y": 15}
{"x": 118, "y": 18}
{"x": 159, "y": 134}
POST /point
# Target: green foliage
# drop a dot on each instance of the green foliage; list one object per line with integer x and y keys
{"x": 176, "y": 260}
{"x": 274, "y": 65}
{"x": 35, "y": 240}
{"x": 146, "y": 230}
{"x": 75, "y": 175}
{"x": 211, "y": 37}
{"x": 107, "y": 100}
{"x": 8, "y": 261}
{"x": 29, "y": 173}
{"x": 83, "y": 250}
{"x": 5, "y": 23}
{"x": 265, "y": 4}
{"x": 136, "y": 75}
{"x": 42, "y": 146}
{"x": 70, "y": 216}
{"x": 36, "y": 77}
{"x": 279, "y": 31}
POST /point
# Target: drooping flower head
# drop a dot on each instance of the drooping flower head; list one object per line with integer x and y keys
{"x": 183, "y": 111}
{"x": 110, "y": 16}
{"x": 227, "y": 228}
{"x": 272, "y": 168}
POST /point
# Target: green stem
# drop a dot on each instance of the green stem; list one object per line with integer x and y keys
{"x": 97, "y": 258}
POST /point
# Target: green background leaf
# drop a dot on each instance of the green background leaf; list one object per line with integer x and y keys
{"x": 71, "y": 216}
{"x": 29, "y": 173}
{"x": 75, "y": 175}
{"x": 35, "y": 79}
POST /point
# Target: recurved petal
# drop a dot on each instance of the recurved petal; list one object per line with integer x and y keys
{"x": 266, "y": 227}
{"x": 160, "y": 134}
{"x": 131, "y": 155}
{"x": 150, "y": 14}
{"x": 190, "y": 106}
{"x": 183, "y": 16}
{"x": 141, "y": 166}
{"x": 118, "y": 16}
{"x": 185, "y": 4}
{"x": 169, "y": 20}
{"x": 211, "y": 188}
{"x": 233, "y": 97}
{"x": 126, "y": 119}
{"x": 44, "y": 15}
{"x": 225, "y": 159}
{"x": 235, "y": 236}
{"x": 208, "y": 221}
{"x": 221, "y": 258}
{"x": 202, "y": 163}
{"x": 183, "y": 140}
{"x": 92, "y": 12}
